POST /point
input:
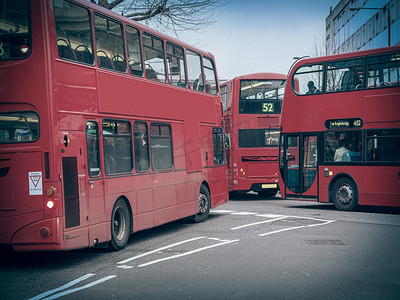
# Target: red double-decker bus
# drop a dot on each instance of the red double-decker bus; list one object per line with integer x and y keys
{"x": 340, "y": 135}
{"x": 252, "y": 107}
{"x": 106, "y": 127}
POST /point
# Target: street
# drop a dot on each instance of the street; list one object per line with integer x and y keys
{"x": 249, "y": 248}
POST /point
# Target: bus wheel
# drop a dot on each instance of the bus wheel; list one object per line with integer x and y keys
{"x": 120, "y": 225}
{"x": 204, "y": 205}
{"x": 344, "y": 194}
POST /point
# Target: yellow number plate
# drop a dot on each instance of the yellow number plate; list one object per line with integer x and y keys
{"x": 269, "y": 186}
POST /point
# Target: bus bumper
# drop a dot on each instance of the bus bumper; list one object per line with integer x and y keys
{"x": 40, "y": 236}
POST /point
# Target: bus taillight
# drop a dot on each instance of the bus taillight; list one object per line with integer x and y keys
{"x": 49, "y": 192}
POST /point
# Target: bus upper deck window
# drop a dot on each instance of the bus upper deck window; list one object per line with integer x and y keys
{"x": 309, "y": 79}
{"x": 210, "y": 77}
{"x": 15, "y": 32}
{"x": 74, "y": 34}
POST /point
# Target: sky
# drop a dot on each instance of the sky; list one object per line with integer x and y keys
{"x": 262, "y": 35}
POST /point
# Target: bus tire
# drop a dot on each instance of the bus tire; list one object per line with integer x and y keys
{"x": 204, "y": 205}
{"x": 344, "y": 194}
{"x": 120, "y": 225}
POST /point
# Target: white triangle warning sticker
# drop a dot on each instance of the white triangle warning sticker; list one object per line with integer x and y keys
{"x": 35, "y": 183}
{"x": 35, "y": 180}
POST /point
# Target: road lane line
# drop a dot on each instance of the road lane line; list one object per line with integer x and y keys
{"x": 269, "y": 215}
{"x": 86, "y": 286}
{"x": 159, "y": 249}
{"x": 65, "y": 286}
{"x": 187, "y": 253}
{"x": 257, "y": 223}
{"x": 222, "y": 211}
{"x": 293, "y": 228}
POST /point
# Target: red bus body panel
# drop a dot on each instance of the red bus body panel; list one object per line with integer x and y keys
{"x": 255, "y": 166}
{"x": 66, "y": 95}
{"x": 378, "y": 108}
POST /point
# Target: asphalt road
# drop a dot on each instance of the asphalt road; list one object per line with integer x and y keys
{"x": 249, "y": 248}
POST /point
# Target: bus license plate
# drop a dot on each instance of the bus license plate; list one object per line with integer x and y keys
{"x": 269, "y": 186}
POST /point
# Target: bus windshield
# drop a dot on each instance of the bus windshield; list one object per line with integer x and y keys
{"x": 261, "y": 96}
{"x": 15, "y": 37}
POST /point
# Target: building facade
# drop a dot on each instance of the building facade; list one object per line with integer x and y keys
{"x": 362, "y": 24}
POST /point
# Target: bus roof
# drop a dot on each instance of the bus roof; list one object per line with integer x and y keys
{"x": 261, "y": 75}
{"x": 313, "y": 60}
{"x": 140, "y": 26}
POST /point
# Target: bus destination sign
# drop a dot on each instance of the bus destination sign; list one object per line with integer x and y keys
{"x": 344, "y": 123}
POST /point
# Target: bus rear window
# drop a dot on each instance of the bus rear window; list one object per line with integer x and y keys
{"x": 15, "y": 37}
{"x": 19, "y": 127}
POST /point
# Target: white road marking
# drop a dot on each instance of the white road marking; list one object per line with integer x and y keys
{"x": 222, "y": 211}
{"x": 159, "y": 249}
{"x": 55, "y": 293}
{"x": 43, "y": 296}
{"x": 257, "y": 223}
{"x": 297, "y": 227}
{"x": 244, "y": 213}
{"x": 269, "y": 215}
{"x": 188, "y": 253}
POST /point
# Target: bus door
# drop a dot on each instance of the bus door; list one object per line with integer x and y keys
{"x": 300, "y": 165}
{"x": 74, "y": 183}
{"x": 94, "y": 183}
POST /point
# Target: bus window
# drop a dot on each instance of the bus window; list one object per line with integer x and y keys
{"x": 74, "y": 35}
{"x": 117, "y": 145}
{"x": 19, "y": 127}
{"x": 342, "y": 146}
{"x": 134, "y": 52}
{"x": 141, "y": 141}
{"x": 383, "y": 145}
{"x": 345, "y": 75}
{"x": 92, "y": 144}
{"x": 224, "y": 92}
{"x": 195, "y": 73}
{"x": 176, "y": 65}
{"x": 210, "y": 77}
{"x": 15, "y": 33}
{"x": 154, "y": 59}
{"x": 161, "y": 146}
{"x": 383, "y": 70}
{"x": 309, "y": 80}
{"x": 256, "y": 138}
{"x": 253, "y": 94}
{"x": 109, "y": 44}
{"x": 218, "y": 146}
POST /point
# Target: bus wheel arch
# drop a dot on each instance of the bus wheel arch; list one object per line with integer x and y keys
{"x": 121, "y": 224}
{"x": 343, "y": 192}
{"x": 204, "y": 203}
